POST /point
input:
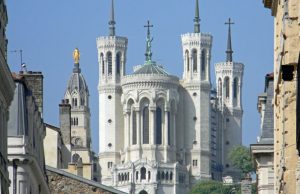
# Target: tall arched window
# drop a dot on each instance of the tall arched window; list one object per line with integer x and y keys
{"x": 149, "y": 175}
{"x": 109, "y": 62}
{"x": 169, "y": 128}
{"x": 102, "y": 63}
{"x": 118, "y": 63}
{"x": 203, "y": 63}
{"x": 187, "y": 60}
{"x": 143, "y": 173}
{"x": 194, "y": 57}
{"x": 158, "y": 126}
{"x": 220, "y": 87}
{"x": 146, "y": 125}
{"x": 227, "y": 87}
{"x": 235, "y": 87}
{"x": 133, "y": 127}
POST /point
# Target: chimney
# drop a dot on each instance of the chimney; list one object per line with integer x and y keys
{"x": 34, "y": 81}
{"x": 65, "y": 121}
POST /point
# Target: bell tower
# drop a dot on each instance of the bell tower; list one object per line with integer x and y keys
{"x": 112, "y": 60}
{"x": 196, "y": 48}
{"x": 229, "y": 80}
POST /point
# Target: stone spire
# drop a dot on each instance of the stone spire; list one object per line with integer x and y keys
{"x": 112, "y": 29}
{"x": 197, "y": 19}
{"x": 229, "y": 50}
{"x": 148, "y": 53}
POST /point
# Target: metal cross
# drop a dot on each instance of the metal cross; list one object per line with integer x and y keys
{"x": 148, "y": 26}
{"x": 229, "y": 22}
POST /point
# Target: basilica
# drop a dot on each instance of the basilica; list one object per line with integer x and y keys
{"x": 160, "y": 133}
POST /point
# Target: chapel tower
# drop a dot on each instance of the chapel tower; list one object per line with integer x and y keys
{"x": 77, "y": 95}
{"x": 229, "y": 79}
{"x": 196, "y": 102}
{"x": 112, "y": 59}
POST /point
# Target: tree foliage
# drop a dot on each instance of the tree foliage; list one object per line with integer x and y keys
{"x": 240, "y": 158}
{"x": 213, "y": 187}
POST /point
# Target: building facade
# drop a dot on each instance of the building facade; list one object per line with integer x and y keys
{"x": 7, "y": 87}
{"x": 155, "y": 129}
{"x": 25, "y": 142}
{"x": 286, "y": 95}
{"x": 263, "y": 150}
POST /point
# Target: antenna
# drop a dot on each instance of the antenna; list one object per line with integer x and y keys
{"x": 21, "y": 57}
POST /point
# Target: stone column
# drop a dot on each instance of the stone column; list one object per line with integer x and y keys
{"x": 174, "y": 128}
{"x": 165, "y": 136}
{"x": 152, "y": 127}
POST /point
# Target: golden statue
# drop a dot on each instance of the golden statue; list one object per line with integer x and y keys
{"x": 76, "y": 56}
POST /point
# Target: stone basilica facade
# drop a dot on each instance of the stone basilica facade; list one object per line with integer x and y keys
{"x": 159, "y": 133}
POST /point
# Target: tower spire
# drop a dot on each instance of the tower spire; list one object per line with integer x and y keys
{"x": 112, "y": 29}
{"x": 197, "y": 19}
{"x": 229, "y": 50}
{"x": 148, "y": 53}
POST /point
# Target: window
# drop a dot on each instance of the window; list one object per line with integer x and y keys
{"x": 203, "y": 61}
{"x": 195, "y": 162}
{"x": 187, "y": 60}
{"x": 220, "y": 87}
{"x": 137, "y": 175}
{"x": 118, "y": 63}
{"x": 109, "y": 165}
{"x": 194, "y": 57}
{"x": 235, "y": 87}
{"x": 133, "y": 127}
{"x": 227, "y": 87}
{"x": 102, "y": 63}
{"x": 146, "y": 125}
{"x": 109, "y": 63}
{"x": 75, "y": 158}
{"x": 143, "y": 173}
{"x": 169, "y": 129}
{"x": 149, "y": 175}
{"x": 171, "y": 175}
{"x": 158, "y": 126}
{"x": 158, "y": 175}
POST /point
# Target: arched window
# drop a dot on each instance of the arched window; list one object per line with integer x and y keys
{"x": 118, "y": 63}
{"x": 169, "y": 128}
{"x": 149, "y": 175}
{"x": 220, "y": 87}
{"x": 194, "y": 57}
{"x": 167, "y": 176}
{"x": 109, "y": 62}
{"x": 187, "y": 60}
{"x": 227, "y": 87}
{"x": 143, "y": 173}
{"x": 171, "y": 175}
{"x": 158, "y": 126}
{"x": 102, "y": 63}
{"x": 158, "y": 176}
{"x": 146, "y": 125}
{"x": 75, "y": 158}
{"x": 203, "y": 62}
{"x": 235, "y": 87}
{"x": 163, "y": 176}
{"x": 137, "y": 175}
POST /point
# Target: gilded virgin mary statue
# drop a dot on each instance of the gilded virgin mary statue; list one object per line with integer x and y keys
{"x": 76, "y": 56}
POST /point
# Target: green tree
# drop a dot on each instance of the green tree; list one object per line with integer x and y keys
{"x": 240, "y": 158}
{"x": 213, "y": 187}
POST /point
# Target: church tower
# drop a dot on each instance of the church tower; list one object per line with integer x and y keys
{"x": 229, "y": 79}
{"x": 196, "y": 101}
{"x": 112, "y": 58}
{"x": 77, "y": 95}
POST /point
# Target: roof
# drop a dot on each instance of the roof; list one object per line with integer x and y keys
{"x": 81, "y": 179}
{"x": 267, "y": 132}
{"x": 77, "y": 81}
{"x": 151, "y": 68}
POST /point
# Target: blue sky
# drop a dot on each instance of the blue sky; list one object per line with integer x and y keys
{"x": 48, "y": 32}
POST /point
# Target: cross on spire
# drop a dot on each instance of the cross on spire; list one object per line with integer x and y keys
{"x": 112, "y": 22}
{"x": 229, "y": 50}
{"x": 148, "y": 53}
